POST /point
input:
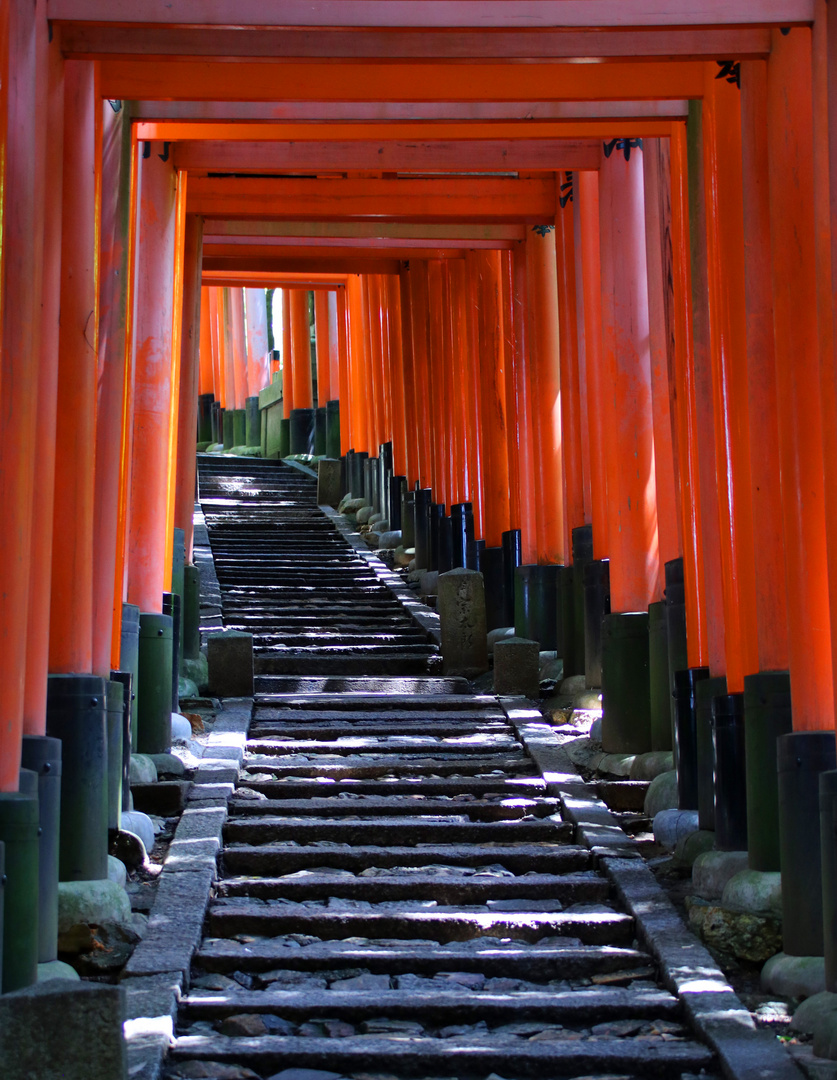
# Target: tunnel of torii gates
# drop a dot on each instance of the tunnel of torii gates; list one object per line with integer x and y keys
{"x": 572, "y": 263}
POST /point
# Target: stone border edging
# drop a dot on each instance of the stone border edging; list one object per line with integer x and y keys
{"x": 158, "y": 969}
{"x": 423, "y": 616}
{"x": 686, "y": 966}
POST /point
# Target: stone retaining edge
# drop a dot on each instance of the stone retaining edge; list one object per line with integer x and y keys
{"x": 422, "y": 616}
{"x": 745, "y": 1052}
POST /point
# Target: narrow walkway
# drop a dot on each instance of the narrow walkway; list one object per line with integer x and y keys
{"x": 399, "y": 895}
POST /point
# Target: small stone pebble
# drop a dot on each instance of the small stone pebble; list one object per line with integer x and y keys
{"x": 242, "y": 1026}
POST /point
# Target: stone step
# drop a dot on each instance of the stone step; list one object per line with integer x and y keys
{"x": 362, "y": 766}
{"x": 445, "y": 888}
{"x": 418, "y": 697}
{"x": 481, "y": 743}
{"x": 447, "y": 830}
{"x": 269, "y": 689}
{"x": 496, "y": 810}
{"x": 514, "y": 960}
{"x": 413, "y": 663}
{"x": 418, "y": 1056}
{"x": 239, "y": 916}
{"x": 442, "y": 1006}
{"x": 274, "y": 859}
{"x": 295, "y": 728}
{"x": 298, "y": 787}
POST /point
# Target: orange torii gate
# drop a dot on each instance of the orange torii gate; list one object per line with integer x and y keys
{"x": 484, "y": 324}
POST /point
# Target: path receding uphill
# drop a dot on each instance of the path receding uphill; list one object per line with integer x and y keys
{"x": 399, "y": 895}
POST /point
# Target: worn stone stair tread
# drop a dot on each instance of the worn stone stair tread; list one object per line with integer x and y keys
{"x": 300, "y": 787}
{"x": 391, "y": 830}
{"x": 415, "y": 1055}
{"x": 372, "y": 698}
{"x": 570, "y": 888}
{"x": 593, "y": 929}
{"x": 498, "y": 742}
{"x": 366, "y": 765}
{"x": 263, "y": 858}
{"x": 577, "y": 1006}
{"x": 535, "y": 963}
{"x": 396, "y": 805}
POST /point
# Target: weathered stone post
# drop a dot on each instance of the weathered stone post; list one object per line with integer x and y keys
{"x": 461, "y": 607}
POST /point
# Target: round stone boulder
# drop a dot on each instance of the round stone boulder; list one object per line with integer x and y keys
{"x": 662, "y": 793}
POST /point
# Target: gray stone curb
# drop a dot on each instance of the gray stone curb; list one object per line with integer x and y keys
{"x": 421, "y": 615}
{"x": 158, "y": 969}
{"x": 687, "y": 969}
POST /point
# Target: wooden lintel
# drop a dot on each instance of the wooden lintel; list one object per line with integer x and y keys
{"x": 335, "y": 265}
{"x": 263, "y": 253}
{"x": 394, "y": 231}
{"x": 550, "y": 155}
{"x": 530, "y": 201}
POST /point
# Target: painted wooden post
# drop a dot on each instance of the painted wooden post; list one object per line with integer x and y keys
{"x": 322, "y": 331}
{"x": 343, "y": 372}
{"x": 704, "y": 430}
{"x": 238, "y": 337}
{"x": 301, "y": 350}
{"x": 357, "y": 365}
{"x": 769, "y": 548}
{"x": 288, "y": 402}
{"x": 50, "y": 133}
{"x": 581, "y": 345}
{"x": 421, "y": 369}
{"x": 657, "y": 176}
{"x": 685, "y": 428}
{"x": 588, "y": 197}
{"x": 207, "y": 379}
{"x": 524, "y": 408}
{"x": 545, "y": 357}
{"x": 258, "y": 359}
{"x": 148, "y": 572}
{"x": 411, "y": 433}
{"x": 494, "y": 416}
{"x": 790, "y": 139}
{"x": 632, "y": 536}
{"x": 398, "y": 401}
{"x": 71, "y": 612}
{"x": 438, "y": 412}
{"x": 724, "y": 202}
{"x": 191, "y": 323}
{"x": 112, "y": 373}
{"x": 571, "y": 414}
{"x": 21, "y": 280}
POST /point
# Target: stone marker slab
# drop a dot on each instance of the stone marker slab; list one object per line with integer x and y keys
{"x": 516, "y": 665}
{"x": 230, "y": 657}
{"x": 328, "y": 482}
{"x": 461, "y": 607}
{"x": 63, "y": 1029}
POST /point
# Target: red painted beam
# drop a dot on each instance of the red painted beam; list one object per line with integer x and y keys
{"x": 266, "y": 113}
{"x": 348, "y": 129}
{"x": 364, "y": 264}
{"x": 390, "y": 156}
{"x": 356, "y": 231}
{"x": 272, "y": 280}
{"x": 242, "y": 80}
{"x": 267, "y": 253}
{"x": 83, "y": 40}
{"x": 394, "y": 248}
{"x": 452, "y": 199}
{"x": 483, "y": 14}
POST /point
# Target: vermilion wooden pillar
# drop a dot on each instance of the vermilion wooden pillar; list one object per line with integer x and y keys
{"x": 452, "y": 445}
{"x": 359, "y": 400}
{"x": 71, "y": 611}
{"x": 421, "y": 369}
{"x": 147, "y": 540}
{"x": 728, "y": 344}
{"x": 464, "y": 413}
{"x": 399, "y": 429}
{"x": 510, "y": 383}
{"x": 704, "y": 431}
{"x": 239, "y": 345}
{"x": 792, "y": 229}
{"x": 411, "y": 434}
{"x": 375, "y": 359}
{"x": 258, "y": 359}
{"x": 215, "y": 331}
{"x": 50, "y": 133}
{"x": 581, "y": 346}
{"x": 21, "y": 283}
{"x": 437, "y": 406}
{"x": 287, "y": 355}
{"x": 466, "y": 279}
{"x": 524, "y": 409}
{"x": 631, "y": 487}
{"x": 322, "y": 331}
{"x": 588, "y": 197}
{"x": 189, "y": 379}
{"x": 112, "y": 373}
{"x": 344, "y": 382}
{"x": 207, "y": 380}
{"x": 228, "y": 349}
{"x": 544, "y": 353}
{"x": 303, "y": 391}
{"x": 571, "y": 414}
{"x": 333, "y": 345}
{"x": 769, "y": 546}
{"x": 657, "y": 175}
{"x": 685, "y": 428}
{"x": 494, "y": 414}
